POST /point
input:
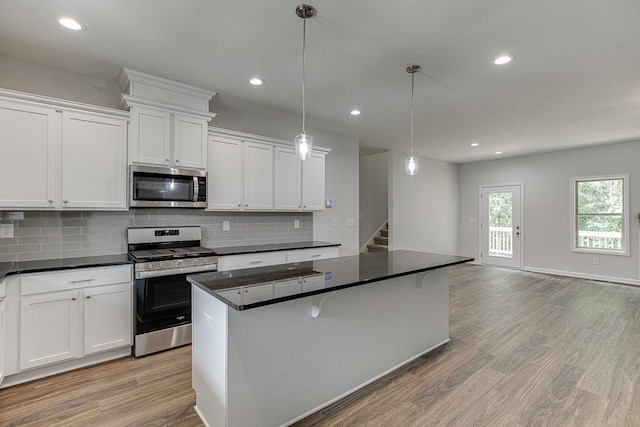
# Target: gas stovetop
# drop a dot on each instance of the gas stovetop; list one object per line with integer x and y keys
{"x": 146, "y": 255}
{"x": 163, "y": 251}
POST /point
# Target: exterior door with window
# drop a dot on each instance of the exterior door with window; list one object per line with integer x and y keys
{"x": 501, "y": 225}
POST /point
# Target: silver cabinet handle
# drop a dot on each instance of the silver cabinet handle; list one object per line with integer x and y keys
{"x": 73, "y": 298}
{"x": 64, "y": 201}
{"x": 239, "y": 205}
{"x": 81, "y": 281}
{"x": 166, "y": 160}
{"x": 305, "y": 206}
{"x": 88, "y": 296}
{"x": 177, "y": 161}
{"x": 316, "y": 255}
{"x": 255, "y": 262}
{"x": 50, "y": 200}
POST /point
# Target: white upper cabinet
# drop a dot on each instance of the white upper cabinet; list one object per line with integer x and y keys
{"x": 162, "y": 138}
{"x": 57, "y": 156}
{"x": 250, "y": 172}
{"x": 224, "y": 183}
{"x": 169, "y": 120}
{"x": 150, "y": 136}
{"x": 258, "y": 176}
{"x": 190, "y": 142}
{"x": 313, "y": 183}
{"x": 288, "y": 180}
{"x": 28, "y": 155}
{"x": 94, "y": 161}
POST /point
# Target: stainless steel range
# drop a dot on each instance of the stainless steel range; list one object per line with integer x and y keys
{"x": 163, "y": 257}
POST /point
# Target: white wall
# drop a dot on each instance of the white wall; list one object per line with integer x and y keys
{"x": 423, "y": 209}
{"x": 374, "y": 204}
{"x": 547, "y": 207}
{"x": 341, "y": 163}
{"x": 24, "y": 76}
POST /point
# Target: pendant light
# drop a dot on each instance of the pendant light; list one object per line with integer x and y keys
{"x": 304, "y": 141}
{"x": 411, "y": 163}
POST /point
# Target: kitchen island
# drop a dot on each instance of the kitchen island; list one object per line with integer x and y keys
{"x": 272, "y": 345}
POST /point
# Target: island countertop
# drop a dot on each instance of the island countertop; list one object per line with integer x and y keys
{"x": 274, "y": 284}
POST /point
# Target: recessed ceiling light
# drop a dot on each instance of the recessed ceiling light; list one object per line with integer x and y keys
{"x": 256, "y": 81}
{"x": 474, "y": 144}
{"x": 355, "y": 112}
{"x": 71, "y": 23}
{"x": 503, "y": 59}
{"x": 498, "y": 152}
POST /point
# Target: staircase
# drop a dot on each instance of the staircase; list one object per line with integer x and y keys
{"x": 381, "y": 243}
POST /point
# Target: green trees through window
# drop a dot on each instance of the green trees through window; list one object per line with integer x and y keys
{"x": 600, "y": 213}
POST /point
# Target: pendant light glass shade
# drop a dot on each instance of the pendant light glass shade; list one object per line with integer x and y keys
{"x": 411, "y": 163}
{"x": 304, "y": 141}
{"x": 304, "y": 145}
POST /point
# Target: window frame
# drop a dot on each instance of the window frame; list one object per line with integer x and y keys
{"x": 625, "y": 214}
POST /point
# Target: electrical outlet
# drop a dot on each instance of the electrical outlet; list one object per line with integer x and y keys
{"x": 596, "y": 261}
{"x": 334, "y": 222}
{"x": 207, "y": 321}
{"x": 475, "y": 250}
{"x": 351, "y": 222}
{"x": 6, "y": 231}
{"x": 225, "y": 225}
{"x": 296, "y": 223}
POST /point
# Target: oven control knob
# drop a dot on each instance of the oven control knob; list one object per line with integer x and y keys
{"x": 194, "y": 262}
{"x": 150, "y": 266}
{"x": 179, "y": 263}
{"x": 163, "y": 264}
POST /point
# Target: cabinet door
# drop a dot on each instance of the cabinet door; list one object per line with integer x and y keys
{"x": 224, "y": 182}
{"x": 288, "y": 180}
{"x": 313, "y": 283}
{"x": 285, "y": 288}
{"x": 94, "y": 161}
{"x": 258, "y": 176}
{"x": 28, "y": 172}
{"x": 257, "y": 293}
{"x": 150, "y": 136}
{"x": 313, "y": 183}
{"x": 107, "y": 318}
{"x": 48, "y": 328}
{"x": 189, "y": 142}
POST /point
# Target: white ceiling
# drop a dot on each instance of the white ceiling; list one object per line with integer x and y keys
{"x": 575, "y": 81}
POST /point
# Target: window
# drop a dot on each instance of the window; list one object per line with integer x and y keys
{"x": 600, "y": 219}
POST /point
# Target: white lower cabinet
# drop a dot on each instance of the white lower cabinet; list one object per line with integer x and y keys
{"x": 94, "y": 314}
{"x": 285, "y": 288}
{"x": 2, "y": 329}
{"x": 257, "y": 293}
{"x": 107, "y": 318}
{"x": 48, "y": 329}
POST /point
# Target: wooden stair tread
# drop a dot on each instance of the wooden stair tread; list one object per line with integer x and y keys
{"x": 377, "y": 248}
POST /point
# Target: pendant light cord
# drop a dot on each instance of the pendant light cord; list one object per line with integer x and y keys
{"x": 304, "y": 42}
{"x": 413, "y": 74}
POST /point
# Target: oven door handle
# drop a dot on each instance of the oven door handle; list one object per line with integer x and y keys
{"x": 174, "y": 271}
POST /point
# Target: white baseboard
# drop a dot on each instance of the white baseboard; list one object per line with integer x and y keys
{"x": 576, "y": 274}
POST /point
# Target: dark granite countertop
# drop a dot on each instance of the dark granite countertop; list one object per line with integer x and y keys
{"x": 335, "y": 273}
{"x": 238, "y": 250}
{"x": 9, "y": 268}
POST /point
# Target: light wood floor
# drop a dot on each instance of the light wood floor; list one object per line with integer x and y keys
{"x": 527, "y": 350}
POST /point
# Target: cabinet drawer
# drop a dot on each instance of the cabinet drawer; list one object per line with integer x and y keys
{"x": 312, "y": 254}
{"x": 262, "y": 259}
{"x": 74, "y": 279}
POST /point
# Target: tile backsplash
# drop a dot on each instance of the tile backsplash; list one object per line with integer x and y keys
{"x": 47, "y": 235}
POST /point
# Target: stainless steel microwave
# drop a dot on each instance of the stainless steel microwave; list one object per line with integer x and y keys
{"x": 158, "y": 187}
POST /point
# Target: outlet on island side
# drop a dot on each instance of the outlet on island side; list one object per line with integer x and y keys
{"x": 207, "y": 321}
